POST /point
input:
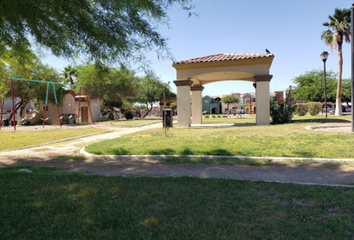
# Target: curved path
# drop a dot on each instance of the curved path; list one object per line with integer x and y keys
{"x": 66, "y": 155}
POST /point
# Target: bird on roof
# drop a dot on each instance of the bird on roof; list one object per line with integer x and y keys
{"x": 267, "y": 51}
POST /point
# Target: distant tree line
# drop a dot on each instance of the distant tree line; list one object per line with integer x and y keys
{"x": 308, "y": 87}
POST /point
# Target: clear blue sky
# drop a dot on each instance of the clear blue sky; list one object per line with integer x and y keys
{"x": 291, "y": 30}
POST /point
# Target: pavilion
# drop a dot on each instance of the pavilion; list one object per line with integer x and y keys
{"x": 192, "y": 74}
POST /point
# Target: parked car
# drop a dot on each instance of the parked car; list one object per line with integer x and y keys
{"x": 330, "y": 110}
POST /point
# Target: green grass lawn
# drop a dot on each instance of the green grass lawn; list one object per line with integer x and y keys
{"x": 286, "y": 140}
{"x": 129, "y": 123}
{"x": 17, "y": 139}
{"x": 51, "y": 205}
{"x": 296, "y": 119}
{"x": 345, "y": 119}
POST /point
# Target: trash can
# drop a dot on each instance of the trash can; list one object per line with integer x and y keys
{"x": 6, "y": 122}
{"x": 169, "y": 118}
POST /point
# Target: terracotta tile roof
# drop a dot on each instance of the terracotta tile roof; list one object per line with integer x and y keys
{"x": 224, "y": 57}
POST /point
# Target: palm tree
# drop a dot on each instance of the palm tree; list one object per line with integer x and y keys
{"x": 68, "y": 74}
{"x": 228, "y": 100}
{"x": 339, "y": 30}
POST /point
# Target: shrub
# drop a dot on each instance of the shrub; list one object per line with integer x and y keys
{"x": 314, "y": 108}
{"x": 302, "y": 109}
{"x": 129, "y": 115}
{"x": 218, "y": 116}
{"x": 213, "y": 116}
{"x": 283, "y": 111}
{"x": 206, "y": 116}
{"x": 224, "y": 116}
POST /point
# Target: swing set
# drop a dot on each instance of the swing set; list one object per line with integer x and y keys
{"x": 46, "y": 99}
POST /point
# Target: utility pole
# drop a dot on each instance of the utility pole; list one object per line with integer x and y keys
{"x": 352, "y": 44}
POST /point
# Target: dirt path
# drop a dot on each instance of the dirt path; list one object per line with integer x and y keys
{"x": 66, "y": 155}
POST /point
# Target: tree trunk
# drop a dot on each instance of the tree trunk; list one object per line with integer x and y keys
{"x": 148, "y": 110}
{"x": 115, "y": 115}
{"x": 17, "y": 106}
{"x": 138, "y": 109}
{"x": 339, "y": 85}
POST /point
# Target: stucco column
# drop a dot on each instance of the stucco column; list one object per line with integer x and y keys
{"x": 262, "y": 99}
{"x": 183, "y": 103}
{"x": 197, "y": 106}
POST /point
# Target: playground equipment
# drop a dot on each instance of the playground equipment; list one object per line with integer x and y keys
{"x": 46, "y": 100}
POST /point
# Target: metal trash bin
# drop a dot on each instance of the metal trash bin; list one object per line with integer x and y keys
{"x": 5, "y": 122}
{"x": 169, "y": 118}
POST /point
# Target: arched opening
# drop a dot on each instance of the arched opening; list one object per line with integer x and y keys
{"x": 236, "y": 88}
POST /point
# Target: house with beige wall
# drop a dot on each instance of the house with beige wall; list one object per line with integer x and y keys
{"x": 69, "y": 111}
{"x": 85, "y": 111}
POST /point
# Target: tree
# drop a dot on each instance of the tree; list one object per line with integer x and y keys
{"x": 346, "y": 90}
{"x": 230, "y": 99}
{"x": 339, "y": 30}
{"x": 68, "y": 74}
{"x": 99, "y": 29}
{"x": 174, "y": 107}
{"x": 112, "y": 86}
{"x": 139, "y": 109}
{"x": 151, "y": 90}
{"x": 308, "y": 86}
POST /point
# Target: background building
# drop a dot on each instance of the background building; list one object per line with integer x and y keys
{"x": 232, "y": 106}
{"x": 211, "y": 105}
{"x": 249, "y": 103}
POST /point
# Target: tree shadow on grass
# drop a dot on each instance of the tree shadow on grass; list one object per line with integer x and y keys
{"x": 244, "y": 124}
{"x": 120, "y": 151}
{"x": 305, "y": 154}
{"x": 166, "y": 151}
{"x": 187, "y": 151}
{"x": 219, "y": 152}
